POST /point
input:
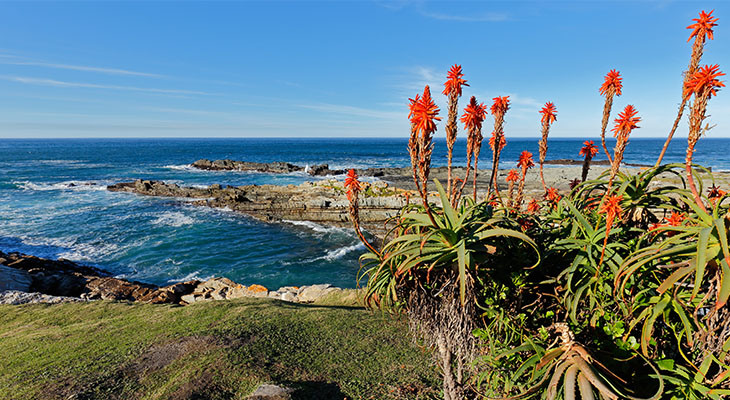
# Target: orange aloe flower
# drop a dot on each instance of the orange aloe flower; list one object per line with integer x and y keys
{"x": 702, "y": 28}
{"x": 552, "y": 195}
{"x": 351, "y": 182}
{"x": 500, "y": 105}
{"x": 452, "y": 89}
{"x": 675, "y": 219}
{"x": 423, "y": 112}
{"x": 612, "y": 81}
{"x": 714, "y": 192}
{"x": 611, "y": 87}
{"x": 502, "y": 141}
{"x": 588, "y": 149}
{"x": 612, "y": 208}
{"x": 549, "y": 113}
{"x": 574, "y": 182}
{"x": 525, "y": 161}
{"x": 513, "y": 175}
{"x": 454, "y": 81}
{"x": 626, "y": 121}
{"x": 353, "y": 188}
{"x": 704, "y": 78}
{"x": 473, "y": 115}
{"x": 533, "y": 206}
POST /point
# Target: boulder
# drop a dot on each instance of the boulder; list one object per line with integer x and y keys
{"x": 14, "y": 279}
{"x": 271, "y": 392}
{"x": 308, "y": 294}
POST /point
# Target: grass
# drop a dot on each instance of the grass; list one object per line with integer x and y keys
{"x": 213, "y": 350}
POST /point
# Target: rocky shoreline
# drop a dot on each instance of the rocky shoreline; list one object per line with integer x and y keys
{"x": 323, "y": 202}
{"x": 29, "y": 279}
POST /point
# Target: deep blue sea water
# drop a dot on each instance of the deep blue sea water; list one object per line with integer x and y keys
{"x": 162, "y": 240}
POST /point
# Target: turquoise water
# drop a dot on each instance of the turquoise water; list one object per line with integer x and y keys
{"x": 163, "y": 240}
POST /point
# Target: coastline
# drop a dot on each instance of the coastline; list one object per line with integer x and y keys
{"x": 29, "y": 279}
{"x": 322, "y": 202}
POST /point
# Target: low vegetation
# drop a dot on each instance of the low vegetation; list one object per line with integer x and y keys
{"x": 617, "y": 289}
{"x": 213, "y": 350}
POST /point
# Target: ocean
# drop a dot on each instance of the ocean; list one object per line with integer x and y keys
{"x": 163, "y": 240}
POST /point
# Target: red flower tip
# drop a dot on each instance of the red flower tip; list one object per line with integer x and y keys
{"x": 675, "y": 219}
{"x": 704, "y": 78}
{"x": 423, "y": 112}
{"x": 454, "y": 81}
{"x": 351, "y": 182}
{"x": 513, "y": 175}
{"x": 574, "y": 182}
{"x": 611, "y": 207}
{"x": 626, "y": 121}
{"x": 702, "y": 28}
{"x": 502, "y": 141}
{"x": 500, "y": 105}
{"x": 715, "y": 192}
{"x": 525, "y": 161}
{"x": 549, "y": 113}
{"x": 473, "y": 114}
{"x": 588, "y": 148}
{"x": 611, "y": 81}
{"x": 533, "y": 206}
{"x": 413, "y": 106}
{"x": 552, "y": 195}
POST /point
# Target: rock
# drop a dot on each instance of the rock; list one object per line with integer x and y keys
{"x": 270, "y": 392}
{"x": 16, "y": 297}
{"x": 14, "y": 279}
{"x": 323, "y": 170}
{"x": 216, "y": 284}
{"x": 309, "y": 294}
{"x": 274, "y": 295}
{"x": 288, "y": 296}
{"x": 323, "y": 202}
{"x": 188, "y": 298}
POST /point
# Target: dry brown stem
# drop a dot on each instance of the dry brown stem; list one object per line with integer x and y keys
{"x": 604, "y": 121}
{"x": 694, "y": 62}
{"x": 543, "y": 151}
{"x": 451, "y": 130}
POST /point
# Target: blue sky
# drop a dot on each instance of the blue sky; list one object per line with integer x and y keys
{"x": 336, "y": 69}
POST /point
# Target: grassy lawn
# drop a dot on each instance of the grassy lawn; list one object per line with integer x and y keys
{"x": 213, "y": 350}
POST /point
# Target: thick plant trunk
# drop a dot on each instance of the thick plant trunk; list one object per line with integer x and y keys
{"x": 439, "y": 318}
{"x": 451, "y": 389}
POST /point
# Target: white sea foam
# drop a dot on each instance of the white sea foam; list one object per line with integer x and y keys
{"x": 191, "y": 276}
{"x": 89, "y": 252}
{"x": 342, "y": 251}
{"x": 182, "y": 167}
{"x": 174, "y": 219}
{"x": 65, "y": 185}
{"x": 315, "y": 226}
{"x": 336, "y": 254}
{"x": 72, "y": 249}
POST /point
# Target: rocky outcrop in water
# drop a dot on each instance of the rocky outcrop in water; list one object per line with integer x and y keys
{"x": 29, "y": 279}
{"x": 322, "y": 202}
{"x": 275, "y": 167}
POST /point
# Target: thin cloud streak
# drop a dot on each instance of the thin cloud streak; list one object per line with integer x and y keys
{"x": 56, "y": 83}
{"x": 110, "y": 71}
{"x": 487, "y": 17}
{"x": 350, "y": 110}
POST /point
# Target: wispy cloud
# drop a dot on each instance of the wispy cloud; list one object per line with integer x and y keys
{"x": 484, "y": 17}
{"x": 355, "y": 111}
{"x": 57, "y": 83}
{"x": 110, "y": 71}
